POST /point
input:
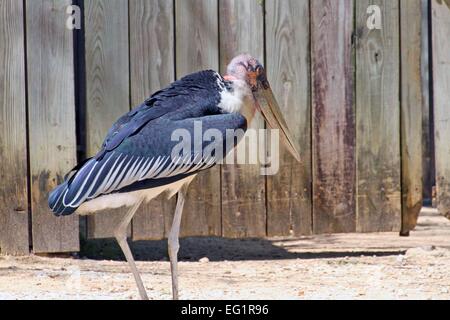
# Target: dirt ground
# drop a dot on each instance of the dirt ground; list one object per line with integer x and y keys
{"x": 350, "y": 266}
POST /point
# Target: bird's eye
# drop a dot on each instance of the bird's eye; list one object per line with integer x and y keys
{"x": 259, "y": 70}
{"x": 244, "y": 65}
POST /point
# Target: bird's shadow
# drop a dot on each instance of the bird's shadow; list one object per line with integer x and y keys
{"x": 215, "y": 249}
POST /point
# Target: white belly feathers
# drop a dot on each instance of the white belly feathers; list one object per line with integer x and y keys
{"x": 128, "y": 199}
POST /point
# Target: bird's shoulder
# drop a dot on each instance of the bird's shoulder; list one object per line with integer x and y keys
{"x": 194, "y": 87}
{"x": 194, "y": 95}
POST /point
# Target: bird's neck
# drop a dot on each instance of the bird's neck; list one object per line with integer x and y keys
{"x": 238, "y": 98}
{"x": 229, "y": 78}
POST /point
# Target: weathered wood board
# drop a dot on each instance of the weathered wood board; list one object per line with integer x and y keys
{"x": 441, "y": 80}
{"x": 428, "y": 159}
{"x": 289, "y": 192}
{"x": 151, "y": 68}
{"x": 13, "y": 127}
{"x": 411, "y": 112}
{"x": 107, "y": 86}
{"x": 51, "y": 110}
{"x": 333, "y": 117}
{"x": 197, "y": 49}
{"x": 243, "y": 186}
{"x": 378, "y": 119}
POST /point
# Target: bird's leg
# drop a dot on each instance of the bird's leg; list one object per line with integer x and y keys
{"x": 121, "y": 236}
{"x": 173, "y": 242}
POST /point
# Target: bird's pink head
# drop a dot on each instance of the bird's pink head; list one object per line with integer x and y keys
{"x": 245, "y": 67}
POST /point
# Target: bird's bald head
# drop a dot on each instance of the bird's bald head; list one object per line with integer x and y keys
{"x": 247, "y": 68}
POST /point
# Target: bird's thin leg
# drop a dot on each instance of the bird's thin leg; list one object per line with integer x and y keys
{"x": 173, "y": 241}
{"x": 121, "y": 236}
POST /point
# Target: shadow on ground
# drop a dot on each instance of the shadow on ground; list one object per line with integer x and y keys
{"x": 433, "y": 230}
{"x": 215, "y": 249}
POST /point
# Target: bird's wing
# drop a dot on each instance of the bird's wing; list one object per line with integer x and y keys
{"x": 143, "y": 162}
{"x": 192, "y": 92}
{"x": 138, "y": 148}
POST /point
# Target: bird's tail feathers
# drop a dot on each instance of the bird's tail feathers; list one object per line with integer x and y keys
{"x": 55, "y": 201}
{"x": 57, "y": 195}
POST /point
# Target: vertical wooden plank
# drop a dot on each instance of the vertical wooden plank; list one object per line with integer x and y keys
{"x": 289, "y": 194}
{"x": 427, "y": 112}
{"x": 152, "y": 68}
{"x": 107, "y": 86}
{"x": 411, "y": 112}
{"x": 51, "y": 112}
{"x": 197, "y": 49}
{"x": 333, "y": 116}
{"x": 378, "y": 119}
{"x": 13, "y": 143}
{"x": 441, "y": 81}
{"x": 243, "y": 186}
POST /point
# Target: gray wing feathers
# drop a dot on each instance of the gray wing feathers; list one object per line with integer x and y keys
{"x": 116, "y": 171}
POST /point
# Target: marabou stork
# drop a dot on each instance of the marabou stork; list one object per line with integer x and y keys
{"x": 136, "y": 164}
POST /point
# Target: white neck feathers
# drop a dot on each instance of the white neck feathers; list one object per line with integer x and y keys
{"x": 238, "y": 99}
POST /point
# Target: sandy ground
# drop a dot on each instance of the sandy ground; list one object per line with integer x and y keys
{"x": 350, "y": 266}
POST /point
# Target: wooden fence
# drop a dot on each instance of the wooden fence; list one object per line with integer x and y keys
{"x": 352, "y": 96}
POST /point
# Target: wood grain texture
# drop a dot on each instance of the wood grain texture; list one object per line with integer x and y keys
{"x": 243, "y": 186}
{"x": 13, "y": 144}
{"x": 411, "y": 112}
{"x": 197, "y": 49}
{"x": 441, "y": 80}
{"x": 107, "y": 86}
{"x": 51, "y": 111}
{"x": 428, "y": 159}
{"x": 378, "y": 119}
{"x": 334, "y": 165}
{"x": 289, "y": 192}
{"x": 152, "y": 68}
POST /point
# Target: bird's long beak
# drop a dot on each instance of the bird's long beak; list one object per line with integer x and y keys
{"x": 272, "y": 114}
